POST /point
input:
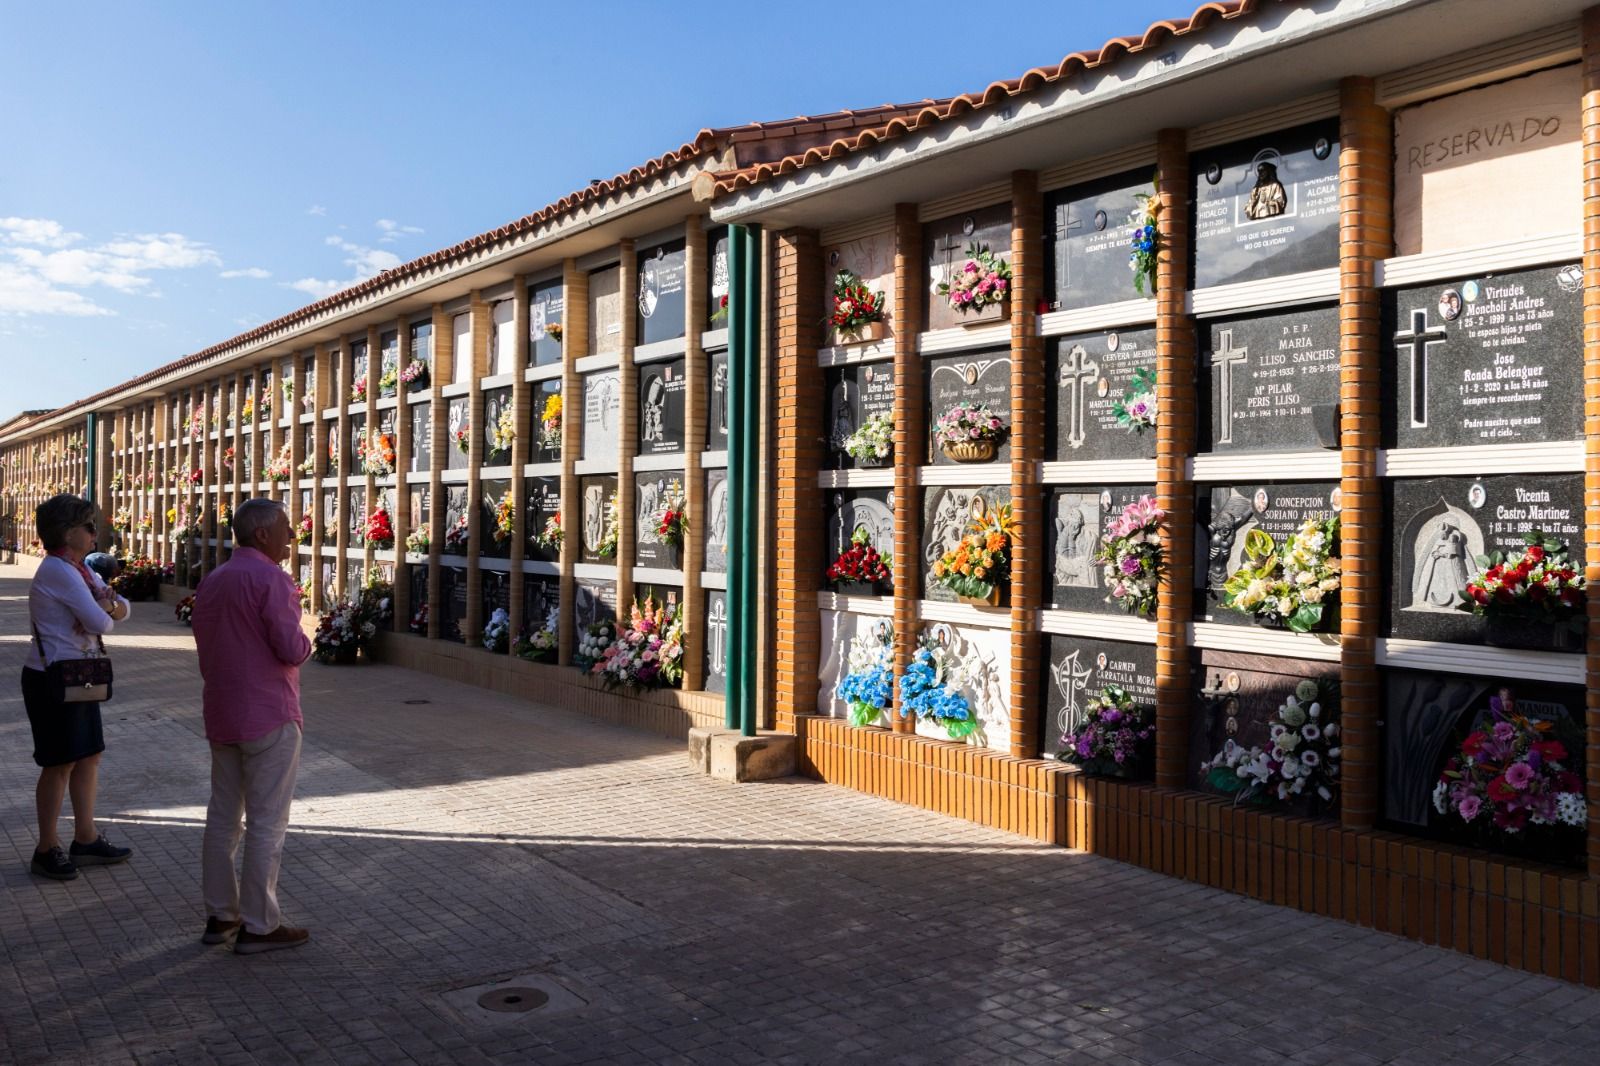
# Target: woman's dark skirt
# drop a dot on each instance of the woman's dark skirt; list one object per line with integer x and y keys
{"x": 62, "y": 732}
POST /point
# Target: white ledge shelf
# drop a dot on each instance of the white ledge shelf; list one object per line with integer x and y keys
{"x": 664, "y": 461}
{"x": 881, "y": 477}
{"x": 1255, "y": 640}
{"x": 964, "y": 614}
{"x": 1136, "y": 312}
{"x": 486, "y": 562}
{"x": 543, "y": 373}
{"x": 714, "y": 579}
{"x": 1564, "y": 456}
{"x": 659, "y": 350}
{"x": 1481, "y": 660}
{"x": 541, "y": 567}
{"x": 657, "y": 575}
{"x": 964, "y": 338}
{"x": 542, "y": 469}
{"x": 1098, "y": 472}
{"x": 455, "y": 390}
{"x": 966, "y": 474}
{"x": 881, "y": 606}
{"x": 847, "y": 354}
{"x": 588, "y": 363}
{"x": 712, "y": 460}
{"x": 714, "y": 338}
{"x": 1309, "y": 287}
{"x": 497, "y": 381}
{"x": 1100, "y": 626}
{"x": 595, "y": 571}
{"x": 1265, "y": 466}
{"x": 1483, "y": 259}
{"x": 595, "y": 466}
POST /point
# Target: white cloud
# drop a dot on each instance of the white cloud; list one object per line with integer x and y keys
{"x": 23, "y": 292}
{"x": 363, "y": 261}
{"x": 121, "y": 264}
{"x": 392, "y": 231}
{"x": 316, "y": 287}
{"x": 317, "y": 209}
{"x": 247, "y": 272}
{"x": 41, "y": 231}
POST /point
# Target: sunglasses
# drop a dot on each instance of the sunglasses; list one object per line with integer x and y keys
{"x": 89, "y": 526}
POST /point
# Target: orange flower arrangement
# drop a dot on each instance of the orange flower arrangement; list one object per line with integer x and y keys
{"x": 982, "y": 559}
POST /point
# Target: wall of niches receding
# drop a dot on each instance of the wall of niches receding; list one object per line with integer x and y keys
{"x": 1479, "y": 320}
{"x": 31, "y": 472}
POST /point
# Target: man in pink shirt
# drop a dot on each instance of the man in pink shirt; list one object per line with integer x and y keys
{"x": 247, "y": 629}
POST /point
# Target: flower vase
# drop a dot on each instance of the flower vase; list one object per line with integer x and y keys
{"x": 864, "y": 334}
{"x": 346, "y": 654}
{"x": 418, "y": 383}
{"x": 875, "y": 462}
{"x": 856, "y": 588}
{"x": 970, "y": 451}
{"x": 987, "y": 316}
{"x": 1511, "y": 631}
{"x": 996, "y": 598}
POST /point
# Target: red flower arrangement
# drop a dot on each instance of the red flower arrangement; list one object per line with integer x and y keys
{"x": 861, "y": 562}
{"x": 380, "y": 531}
{"x": 1539, "y": 581}
{"x": 854, "y": 305}
{"x": 303, "y": 534}
{"x": 674, "y": 520}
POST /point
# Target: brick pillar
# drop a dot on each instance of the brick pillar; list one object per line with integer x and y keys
{"x": 400, "y": 519}
{"x": 1366, "y": 180}
{"x": 799, "y": 518}
{"x": 374, "y": 372}
{"x": 473, "y": 624}
{"x": 628, "y": 430}
{"x": 297, "y": 456}
{"x": 1175, "y": 398}
{"x": 694, "y": 442}
{"x": 574, "y": 339}
{"x": 1029, "y": 422}
{"x": 910, "y": 443}
{"x": 1591, "y": 393}
{"x": 324, "y": 383}
{"x": 340, "y": 467}
{"x": 522, "y": 404}
{"x": 443, "y": 370}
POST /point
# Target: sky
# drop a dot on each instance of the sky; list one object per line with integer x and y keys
{"x": 174, "y": 174}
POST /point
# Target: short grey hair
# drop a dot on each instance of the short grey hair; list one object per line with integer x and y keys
{"x": 253, "y": 514}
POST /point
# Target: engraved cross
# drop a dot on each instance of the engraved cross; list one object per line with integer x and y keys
{"x": 1224, "y": 358}
{"x": 1420, "y": 338}
{"x": 1077, "y": 371}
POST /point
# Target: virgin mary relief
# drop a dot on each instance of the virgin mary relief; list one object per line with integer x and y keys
{"x": 1442, "y": 556}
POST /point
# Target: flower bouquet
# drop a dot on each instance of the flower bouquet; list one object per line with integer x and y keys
{"x": 146, "y": 522}
{"x": 1300, "y": 759}
{"x": 462, "y": 435}
{"x": 456, "y": 537}
{"x": 497, "y": 631}
{"x": 358, "y": 391}
{"x": 415, "y": 375}
{"x": 343, "y": 632}
{"x": 873, "y": 442}
{"x": 1538, "y": 587}
{"x": 1132, "y": 557}
{"x": 930, "y": 690}
{"x": 500, "y": 438}
{"x": 247, "y": 410}
{"x": 1291, "y": 587}
{"x": 122, "y": 519}
{"x": 550, "y": 424}
{"x": 308, "y": 402}
{"x": 969, "y": 434}
{"x": 309, "y": 465}
{"x": 1116, "y": 737}
{"x": 1136, "y": 411}
{"x": 181, "y": 523}
{"x": 979, "y": 567}
{"x": 419, "y": 620}
{"x": 869, "y": 685}
{"x": 553, "y": 330}
{"x": 388, "y": 379}
{"x": 279, "y": 467}
{"x": 185, "y": 609}
{"x": 116, "y": 481}
{"x": 377, "y": 453}
{"x": 592, "y": 644}
{"x": 505, "y": 519}
{"x": 380, "y": 530}
{"x": 607, "y": 548}
{"x": 648, "y": 653}
{"x": 549, "y": 538}
{"x": 288, "y": 394}
{"x": 719, "y": 317}
{"x": 1510, "y": 773}
{"x": 540, "y": 645}
{"x": 225, "y": 461}
{"x": 672, "y": 521}
{"x": 983, "y": 281}
{"x": 140, "y": 578}
{"x": 857, "y": 310}
{"x": 302, "y": 535}
{"x": 860, "y": 564}
{"x": 418, "y": 541}
{"x": 196, "y": 475}
{"x": 1144, "y": 240}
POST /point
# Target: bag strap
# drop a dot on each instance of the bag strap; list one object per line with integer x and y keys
{"x": 40, "y": 642}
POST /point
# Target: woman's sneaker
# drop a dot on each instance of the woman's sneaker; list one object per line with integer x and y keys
{"x": 54, "y": 864}
{"x": 101, "y": 853}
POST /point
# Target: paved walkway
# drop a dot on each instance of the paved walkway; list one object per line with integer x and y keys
{"x": 446, "y": 838}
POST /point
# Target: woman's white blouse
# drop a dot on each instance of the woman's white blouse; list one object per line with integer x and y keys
{"x": 57, "y": 599}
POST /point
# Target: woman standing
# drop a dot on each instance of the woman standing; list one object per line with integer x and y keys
{"x": 70, "y": 608}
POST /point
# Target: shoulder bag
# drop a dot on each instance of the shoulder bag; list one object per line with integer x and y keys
{"x": 78, "y": 680}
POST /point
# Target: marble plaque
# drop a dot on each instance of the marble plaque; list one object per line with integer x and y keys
{"x": 976, "y": 378}
{"x": 1092, "y": 373}
{"x": 662, "y": 399}
{"x": 946, "y": 242}
{"x": 595, "y": 493}
{"x": 421, "y": 516}
{"x": 855, "y": 394}
{"x": 354, "y": 443}
{"x": 1441, "y": 524}
{"x": 540, "y": 596}
{"x": 986, "y": 655}
{"x": 453, "y": 611}
{"x": 717, "y": 404}
{"x": 308, "y": 447}
{"x": 496, "y": 402}
{"x": 716, "y": 642}
{"x": 459, "y": 414}
{"x": 494, "y": 543}
{"x": 418, "y": 576}
{"x": 593, "y": 601}
{"x": 1236, "y": 697}
{"x": 661, "y": 292}
{"x": 421, "y": 438}
{"x": 545, "y": 447}
{"x": 1273, "y": 381}
{"x": 602, "y": 415}
{"x": 605, "y": 310}
{"x": 421, "y": 352}
{"x": 388, "y": 358}
{"x": 1491, "y": 165}
{"x": 1078, "y": 669}
{"x": 358, "y": 367}
{"x": 456, "y": 533}
{"x": 1078, "y": 518}
{"x": 330, "y": 515}
{"x": 1486, "y": 360}
{"x": 546, "y": 305}
{"x": 654, "y": 488}
{"x": 544, "y": 502}
{"x": 716, "y": 521}
{"x": 330, "y": 584}
{"x": 717, "y": 284}
{"x": 869, "y": 258}
{"x": 947, "y": 513}
{"x": 1088, "y": 240}
{"x": 1267, "y": 206}
{"x": 1224, "y": 514}
{"x": 496, "y": 587}
{"x": 358, "y": 516}
{"x": 869, "y": 508}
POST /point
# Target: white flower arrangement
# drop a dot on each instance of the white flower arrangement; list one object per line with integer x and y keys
{"x": 1292, "y": 586}
{"x": 873, "y": 440}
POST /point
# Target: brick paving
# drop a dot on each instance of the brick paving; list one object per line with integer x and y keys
{"x": 443, "y": 845}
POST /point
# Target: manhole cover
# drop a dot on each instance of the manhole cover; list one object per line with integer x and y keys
{"x": 513, "y": 1000}
{"x": 415, "y": 703}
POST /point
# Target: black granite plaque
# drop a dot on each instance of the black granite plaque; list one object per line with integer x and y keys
{"x": 357, "y": 444}
{"x": 459, "y": 414}
{"x": 497, "y": 404}
{"x": 421, "y": 516}
{"x": 358, "y": 516}
{"x": 716, "y": 278}
{"x": 389, "y": 360}
{"x": 540, "y": 597}
{"x": 947, "y": 514}
{"x": 496, "y": 587}
{"x": 330, "y": 584}
{"x": 418, "y": 575}
{"x": 545, "y": 440}
{"x": 546, "y": 307}
{"x": 421, "y": 438}
{"x": 595, "y": 494}
{"x": 330, "y": 515}
{"x": 1236, "y": 697}
{"x": 1442, "y": 524}
{"x": 1088, "y": 238}
{"x": 1273, "y": 381}
{"x": 946, "y": 242}
{"x": 871, "y": 509}
{"x": 457, "y": 520}
{"x": 654, "y": 490}
{"x": 358, "y": 367}
{"x": 1486, "y": 360}
{"x": 594, "y": 601}
{"x": 716, "y": 643}
{"x": 855, "y": 394}
{"x": 716, "y": 523}
{"x": 661, "y": 407}
{"x": 1267, "y": 206}
{"x": 495, "y": 543}
{"x": 1077, "y": 518}
{"x": 602, "y": 415}
{"x": 1224, "y": 514}
{"x": 661, "y": 292}
{"x": 308, "y": 447}
{"x": 717, "y": 405}
{"x": 971, "y": 379}
{"x": 421, "y": 352}
{"x": 544, "y": 503}
{"x": 1092, "y": 374}
{"x": 453, "y": 611}
{"x": 1078, "y": 669}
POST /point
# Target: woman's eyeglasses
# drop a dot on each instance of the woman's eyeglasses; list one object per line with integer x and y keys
{"x": 90, "y": 527}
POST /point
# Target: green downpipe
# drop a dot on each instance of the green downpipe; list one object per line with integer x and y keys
{"x": 91, "y": 473}
{"x": 744, "y": 411}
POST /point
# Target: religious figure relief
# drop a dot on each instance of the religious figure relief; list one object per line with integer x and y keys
{"x": 841, "y": 418}
{"x": 1071, "y": 679}
{"x": 951, "y": 517}
{"x": 719, "y": 399}
{"x": 717, "y": 521}
{"x": 652, "y": 418}
{"x": 650, "y": 284}
{"x": 594, "y": 517}
{"x": 1442, "y": 555}
{"x": 874, "y": 515}
{"x": 651, "y": 495}
{"x": 1267, "y": 198}
{"x": 1223, "y": 534}
{"x": 1077, "y": 525}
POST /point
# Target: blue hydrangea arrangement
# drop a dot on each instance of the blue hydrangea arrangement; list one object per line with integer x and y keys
{"x": 869, "y": 685}
{"x": 930, "y": 689}
{"x": 1144, "y": 239}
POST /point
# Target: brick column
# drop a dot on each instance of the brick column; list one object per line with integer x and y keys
{"x": 1591, "y": 393}
{"x": 574, "y": 339}
{"x": 800, "y": 418}
{"x": 325, "y": 382}
{"x": 522, "y": 404}
{"x": 473, "y": 624}
{"x": 296, "y": 456}
{"x": 1366, "y": 181}
{"x": 627, "y": 429}
{"x": 910, "y": 442}
{"x": 374, "y": 372}
{"x": 401, "y": 517}
{"x": 1029, "y": 421}
{"x": 443, "y": 370}
{"x": 694, "y": 442}
{"x": 1175, "y": 398}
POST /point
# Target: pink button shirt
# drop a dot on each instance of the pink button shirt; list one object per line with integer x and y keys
{"x": 247, "y": 629}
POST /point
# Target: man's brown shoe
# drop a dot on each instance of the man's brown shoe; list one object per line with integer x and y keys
{"x": 219, "y": 931}
{"x": 285, "y": 936}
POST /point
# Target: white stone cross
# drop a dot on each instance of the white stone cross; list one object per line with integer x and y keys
{"x": 1224, "y": 358}
{"x": 1076, "y": 373}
